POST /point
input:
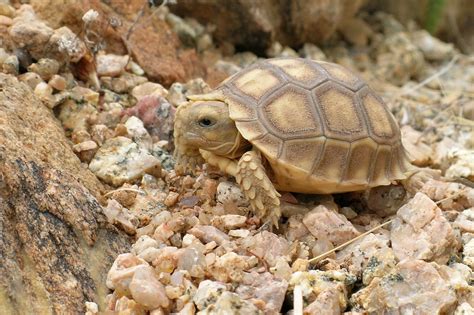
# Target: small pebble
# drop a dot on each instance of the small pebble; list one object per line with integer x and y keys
{"x": 91, "y": 308}
{"x": 80, "y": 136}
{"x": 120, "y": 160}
{"x": 171, "y": 199}
{"x": 228, "y": 192}
{"x": 100, "y": 133}
{"x": 348, "y": 213}
{"x": 85, "y": 150}
{"x": 7, "y": 10}
{"x": 148, "y": 88}
{"x": 239, "y": 233}
{"x": 135, "y": 68}
{"x": 57, "y": 82}
{"x": 229, "y": 221}
{"x": 5, "y": 20}
{"x": 45, "y": 93}
{"x": 147, "y": 290}
{"x": 11, "y": 65}
{"x": 30, "y": 78}
{"x": 45, "y": 67}
{"x": 111, "y": 65}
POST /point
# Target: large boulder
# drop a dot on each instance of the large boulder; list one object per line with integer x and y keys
{"x": 151, "y": 42}
{"x": 55, "y": 244}
{"x": 256, "y": 24}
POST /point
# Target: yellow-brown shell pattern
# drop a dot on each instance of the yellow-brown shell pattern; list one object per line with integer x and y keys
{"x": 319, "y": 118}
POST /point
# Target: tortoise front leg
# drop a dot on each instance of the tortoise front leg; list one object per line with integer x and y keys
{"x": 257, "y": 187}
{"x": 251, "y": 176}
{"x": 226, "y": 165}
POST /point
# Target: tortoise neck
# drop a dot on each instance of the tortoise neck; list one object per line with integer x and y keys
{"x": 231, "y": 149}
{"x": 239, "y": 148}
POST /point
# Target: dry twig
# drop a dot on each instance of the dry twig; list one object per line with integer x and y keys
{"x": 315, "y": 259}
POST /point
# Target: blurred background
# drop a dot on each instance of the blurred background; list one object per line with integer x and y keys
{"x": 177, "y": 40}
{"x": 255, "y": 24}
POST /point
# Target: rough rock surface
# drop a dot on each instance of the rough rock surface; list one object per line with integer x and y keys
{"x": 152, "y": 43}
{"x": 256, "y": 25}
{"x": 325, "y": 223}
{"x": 55, "y": 246}
{"x": 357, "y": 256}
{"x": 121, "y": 160}
{"x": 414, "y": 286}
{"x": 158, "y": 53}
{"x": 420, "y": 231}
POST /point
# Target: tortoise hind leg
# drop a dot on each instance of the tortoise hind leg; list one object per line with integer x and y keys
{"x": 257, "y": 187}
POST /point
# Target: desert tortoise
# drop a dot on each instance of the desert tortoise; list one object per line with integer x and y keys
{"x": 295, "y": 125}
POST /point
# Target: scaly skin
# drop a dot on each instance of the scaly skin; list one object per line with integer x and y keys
{"x": 257, "y": 187}
{"x": 187, "y": 158}
{"x": 251, "y": 176}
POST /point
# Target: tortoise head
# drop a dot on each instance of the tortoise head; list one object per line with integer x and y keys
{"x": 206, "y": 125}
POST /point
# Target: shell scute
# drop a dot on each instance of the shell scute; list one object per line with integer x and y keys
{"x": 381, "y": 124}
{"x": 256, "y": 83}
{"x": 301, "y": 72}
{"x": 290, "y": 113}
{"x": 303, "y": 153}
{"x": 340, "y": 112}
{"x": 343, "y": 76}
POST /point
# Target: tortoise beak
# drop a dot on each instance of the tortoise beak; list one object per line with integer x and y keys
{"x": 200, "y": 141}
{"x": 195, "y": 139}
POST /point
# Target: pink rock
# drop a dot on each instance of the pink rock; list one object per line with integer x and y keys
{"x": 229, "y": 267}
{"x": 5, "y": 20}
{"x": 296, "y": 229}
{"x": 122, "y": 271}
{"x": 267, "y": 246}
{"x": 120, "y": 216}
{"x": 157, "y": 115}
{"x": 438, "y": 190}
{"x": 29, "y": 31}
{"x": 356, "y": 256}
{"x": 314, "y": 282}
{"x": 326, "y": 223}
{"x": 420, "y": 231}
{"x": 110, "y": 64}
{"x": 465, "y": 221}
{"x": 229, "y": 221}
{"x": 163, "y": 232}
{"x": 30, "y": 78}
{"x": 264, "y": 287}
{"x": 420, "y": 153}
{"x": 414, "y": 287}
{"x": 326, "y": 303}
{"x": 166, "y": 260}
{"x": 147, "y": 89}
{"x": 208, "y": 233}
{"x": 191, "y": 260}
{"x": 171, "y": 199}
{"x": 58, "y": 82}
{"x": 147, "y": 290}
{"x": 85, "y": 150}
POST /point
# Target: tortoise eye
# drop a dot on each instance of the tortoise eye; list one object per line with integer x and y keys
{"x": 206, "y": 122}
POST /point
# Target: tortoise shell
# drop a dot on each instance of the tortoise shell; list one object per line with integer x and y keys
{"x": 319, "y": 125}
